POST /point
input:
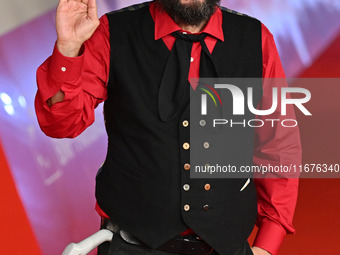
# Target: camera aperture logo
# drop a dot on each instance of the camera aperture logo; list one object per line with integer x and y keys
{"x": 281, "y": 105}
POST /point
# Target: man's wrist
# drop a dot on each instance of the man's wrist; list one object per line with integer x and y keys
{"x": 69, "y": 49}
{"x": 259, "y": 251}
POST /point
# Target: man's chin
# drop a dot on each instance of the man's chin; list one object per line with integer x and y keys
{"x": 190, "y": 12}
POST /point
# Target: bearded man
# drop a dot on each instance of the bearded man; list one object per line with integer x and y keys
{"x": 139, "y": 61}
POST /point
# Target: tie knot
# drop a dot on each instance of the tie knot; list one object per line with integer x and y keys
{"x": 190, "y": 37}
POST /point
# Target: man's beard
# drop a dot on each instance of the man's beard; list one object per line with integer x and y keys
{"x": 192, "y": 14}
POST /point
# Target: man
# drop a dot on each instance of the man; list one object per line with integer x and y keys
{"x": 139, "y": 61}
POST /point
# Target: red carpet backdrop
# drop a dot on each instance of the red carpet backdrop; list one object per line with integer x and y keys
{"x": 47, "y": 189}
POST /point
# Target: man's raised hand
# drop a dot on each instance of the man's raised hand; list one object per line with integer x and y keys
{"x": 76, "y": 21}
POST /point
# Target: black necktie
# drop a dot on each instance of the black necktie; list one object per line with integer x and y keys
{"x": 175, "y": 88}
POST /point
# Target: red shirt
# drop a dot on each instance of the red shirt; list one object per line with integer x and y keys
{"x": 84, "y": 79}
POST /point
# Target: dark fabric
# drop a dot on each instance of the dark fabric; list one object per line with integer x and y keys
{"x": 119, "y": 247}
{"x": 186, "y": 245}
{"x": 140, "y": 185}
{"x": 175, "y": 88}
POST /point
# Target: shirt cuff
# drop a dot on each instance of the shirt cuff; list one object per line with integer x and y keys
{"x": 61, "y": 70}
{"x": 65, "y": 69}
{"x": 270, "y": 237}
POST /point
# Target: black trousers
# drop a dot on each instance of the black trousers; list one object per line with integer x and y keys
{"x": 119, "y": 247}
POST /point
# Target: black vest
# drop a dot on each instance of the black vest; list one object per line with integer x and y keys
{"x": 140, "y": 185}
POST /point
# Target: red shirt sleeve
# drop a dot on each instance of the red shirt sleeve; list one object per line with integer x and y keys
{"x": 275, "y": 146}
{"x": 83, "y": 79}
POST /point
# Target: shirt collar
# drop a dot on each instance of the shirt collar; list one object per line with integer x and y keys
{"x": 165, "y": 25}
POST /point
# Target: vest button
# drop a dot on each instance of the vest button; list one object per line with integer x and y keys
{"x": 186, "y": 208}
{"x": 203, "y": 123}
{"x": 207, "y": 186}
{"x": 206, "y": 145}
{"x": 186, "y": 187}
{"x": 185, "y": 123}
{"x": 187, "y": 166}
{"x": 186, "y": 146}
{"x": 206, "y": 207}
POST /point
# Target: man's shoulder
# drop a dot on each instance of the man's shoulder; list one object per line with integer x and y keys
{"x": 129, "y": 10}
{"x": 130, "y": 20}
{"x": 232, "y": 14}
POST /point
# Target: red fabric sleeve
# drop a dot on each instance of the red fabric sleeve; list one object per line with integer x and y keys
{"x": 83, "y": 79}
{"x": 275, "y": 146}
